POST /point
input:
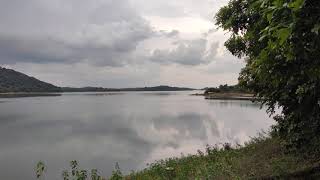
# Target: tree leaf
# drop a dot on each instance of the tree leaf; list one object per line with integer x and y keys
{"x": 283, "y": 34}
{"x": 269, "y": 16}
{"x": 296, "y": 5}
{"x": 316, "y": 29}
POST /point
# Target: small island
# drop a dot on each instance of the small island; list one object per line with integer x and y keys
{"x": 227, "y": 92}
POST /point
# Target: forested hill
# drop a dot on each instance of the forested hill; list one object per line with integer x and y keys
{"x": 13, "y": 81}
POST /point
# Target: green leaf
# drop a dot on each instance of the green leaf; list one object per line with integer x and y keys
{"x": 263, "y": 37}
{"x": 283, "y": 34}
{"x": 316, "y": 29}
{"x": 296, "y": 5}
{"x": 278, "y": 3}
{"x": 40, "y": 168}
{"x": 269, "y": 16}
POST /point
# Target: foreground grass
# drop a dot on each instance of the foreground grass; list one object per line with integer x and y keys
{"x": 261, "y": 158}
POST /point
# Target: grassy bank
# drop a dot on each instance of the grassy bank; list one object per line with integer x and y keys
{"x": 261, "y": 158}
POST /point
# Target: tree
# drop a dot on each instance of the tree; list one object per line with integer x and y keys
{"x": 280, "y": 42}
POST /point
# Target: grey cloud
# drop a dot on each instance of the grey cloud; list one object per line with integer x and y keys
{"x": 102, "y": 42}
{"x": 43, "y": 50}
{"x": 190, "y": 52}
{"x": 210, "y": 31}
{"x": 171, "y": 34}
{"x": 160, "y": 8}
{"x": 49, "y": 16}
{"x": 103, "y": 34}
{"x": 225, "y": 64}
{"x": 174, "y": 9}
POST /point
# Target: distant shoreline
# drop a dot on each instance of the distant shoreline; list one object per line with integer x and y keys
{"x": 40, "y": 94}
{"x": 227, "y": 96}
{"x": 100, "y": 89}
{"x": 49, "y": 93}
{"x": 28, "y": 94}
{"x": 210, "y": 96}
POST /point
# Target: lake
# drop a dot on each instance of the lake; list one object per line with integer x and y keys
{"x": 131, "y": 128}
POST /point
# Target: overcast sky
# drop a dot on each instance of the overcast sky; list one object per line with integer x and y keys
{"x": 117, "y": 43}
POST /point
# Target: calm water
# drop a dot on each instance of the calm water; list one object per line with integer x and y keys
{"x": 131, "y": 128}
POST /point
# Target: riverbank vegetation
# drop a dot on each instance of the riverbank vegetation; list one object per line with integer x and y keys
{"x": 227, "y": 92}
{"x": 226, "y": 89}
{"x": 263, "y": 157}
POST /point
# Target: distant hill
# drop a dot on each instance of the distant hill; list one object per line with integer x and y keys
{"x": 100, "y": 89}
{"x": 84, "y": 89}
{"x": 157, "y": 88}
{"x": 13, "y": 81}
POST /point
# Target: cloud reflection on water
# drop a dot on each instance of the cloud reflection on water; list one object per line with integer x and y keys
{"x": 132, "y": 129}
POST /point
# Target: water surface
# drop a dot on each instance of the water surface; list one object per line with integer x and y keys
{"x": 132, "y": 128}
